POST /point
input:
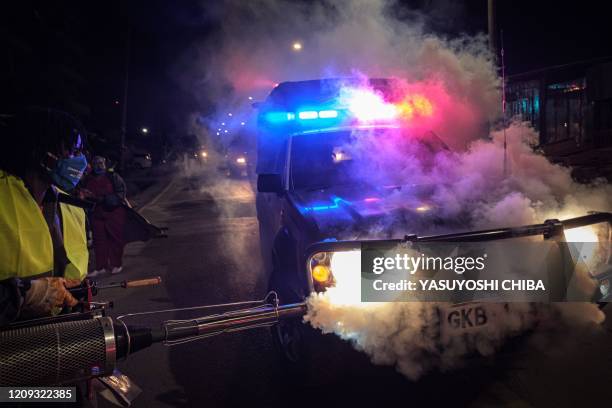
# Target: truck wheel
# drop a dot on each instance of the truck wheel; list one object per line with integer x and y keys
{"x": 290, "y": 337}
{"x": 289, "y": 341}
{"x": 303, "y": 351}
{"x": 286, "y": 333}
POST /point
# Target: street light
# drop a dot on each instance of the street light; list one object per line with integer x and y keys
{"x": 145, "y": 130}
{"x": 297, "y": 46}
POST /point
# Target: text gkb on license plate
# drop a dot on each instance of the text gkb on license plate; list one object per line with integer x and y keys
{"x": 465, "y": 317}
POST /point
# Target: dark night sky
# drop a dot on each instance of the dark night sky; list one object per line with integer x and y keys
{"x": 536, "y": 34}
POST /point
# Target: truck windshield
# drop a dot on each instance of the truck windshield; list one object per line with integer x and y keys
{"x": 376, "y": 157}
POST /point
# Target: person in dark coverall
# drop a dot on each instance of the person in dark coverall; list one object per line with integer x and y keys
{"x": 108, "y": 219}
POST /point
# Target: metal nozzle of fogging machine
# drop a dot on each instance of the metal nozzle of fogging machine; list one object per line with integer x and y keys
{"x": 63, "y": 352}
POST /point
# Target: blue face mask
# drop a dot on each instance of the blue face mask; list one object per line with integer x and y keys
{"x": 68, "y": 172}
{"x": 99, "y": 170}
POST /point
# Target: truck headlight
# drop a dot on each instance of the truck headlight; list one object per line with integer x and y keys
{"x": 590, "y": 244}
{"x": 582, "y": 234}
{"x": 320, "y": 271}
{"x": 321, "y": 274}
{"x": 340, "y": 269}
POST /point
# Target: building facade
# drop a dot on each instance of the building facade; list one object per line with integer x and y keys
{"x": 570, "y": 107}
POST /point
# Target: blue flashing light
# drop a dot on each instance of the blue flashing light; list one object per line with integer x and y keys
{"x": 321, "y": 207}
{"x": 308, "y": 115}
{"x": 328, "y": 114}
{"x": 279, "y": 117}
{"x": 336, "y": 200}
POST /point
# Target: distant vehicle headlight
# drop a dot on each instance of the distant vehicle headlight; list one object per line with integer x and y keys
{"x": 204, "y": 154}
{"x": 241, "y": 160}
{"x": 422, "y": 208}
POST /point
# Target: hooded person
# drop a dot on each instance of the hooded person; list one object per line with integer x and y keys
{"x": 108, "y": 219}
{"x": 43, "y": 245}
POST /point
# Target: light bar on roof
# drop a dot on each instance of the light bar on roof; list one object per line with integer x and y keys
{"x": 279, "y": 117}
{"x": 328, "y": 114}
{"x": 357, "y": 105}
{"x": 308, "y": 115}
{"x": 368, "y": 106}
{"x": 324, "y": 114}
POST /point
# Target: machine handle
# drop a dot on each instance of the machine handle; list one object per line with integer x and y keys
{"x": 143, "y": 282}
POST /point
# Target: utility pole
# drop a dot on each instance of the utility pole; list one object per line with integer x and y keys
{"x": 125, "y": 101}
{"x": 505, "y": 124}
{"x": 492, "y": 27}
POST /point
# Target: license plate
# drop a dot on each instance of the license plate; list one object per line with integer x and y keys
{"x": 465, "y": 318}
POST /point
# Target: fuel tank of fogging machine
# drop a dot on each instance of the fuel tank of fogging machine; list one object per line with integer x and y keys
{"x": 57, "y": 353}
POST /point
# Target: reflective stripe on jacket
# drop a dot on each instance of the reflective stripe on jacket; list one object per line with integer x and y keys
{"x": 26, "y": 248}
{"x": 75, "y": 241}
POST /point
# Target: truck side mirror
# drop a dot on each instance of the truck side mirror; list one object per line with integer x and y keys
{"x": 269, "y": 183}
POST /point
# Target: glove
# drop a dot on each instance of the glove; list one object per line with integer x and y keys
{"x": 44, "y": 295}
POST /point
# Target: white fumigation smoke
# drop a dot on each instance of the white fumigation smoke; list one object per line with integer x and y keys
{"x": 365, "y": 37}
{"x": 472, "y": 183}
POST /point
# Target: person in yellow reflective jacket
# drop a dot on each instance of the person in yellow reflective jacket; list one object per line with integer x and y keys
{"x": 43, "y": 248}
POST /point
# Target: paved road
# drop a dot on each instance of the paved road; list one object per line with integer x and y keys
{"x": 212, "y": 256}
